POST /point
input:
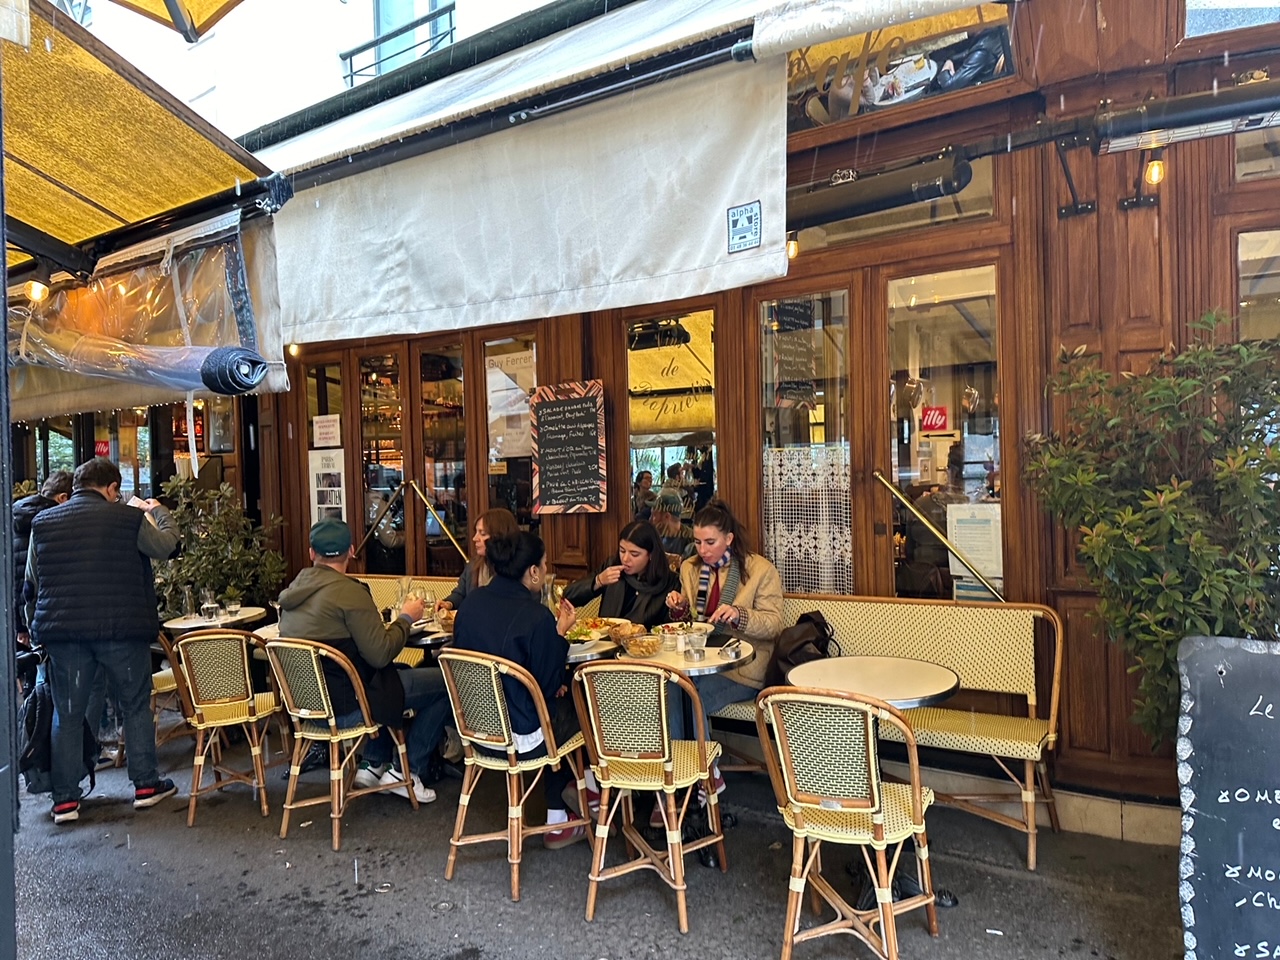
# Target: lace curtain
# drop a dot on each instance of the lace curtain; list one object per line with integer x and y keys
{"x": 808, "y": 523}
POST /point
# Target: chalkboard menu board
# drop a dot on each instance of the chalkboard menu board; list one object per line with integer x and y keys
{"x": 791, "y": 335}
{"x": 1229, "y": 774}
{"x": 567, "y": 425}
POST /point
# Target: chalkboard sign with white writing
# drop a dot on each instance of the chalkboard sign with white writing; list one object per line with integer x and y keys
{"x": 568, "y": 448}
{"x": 791, "y": 335}
{"x": 1229, "y": 776}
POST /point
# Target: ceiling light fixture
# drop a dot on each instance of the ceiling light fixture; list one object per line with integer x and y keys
{"x": 793, "y": 245}
{"x": 36, "y": 289}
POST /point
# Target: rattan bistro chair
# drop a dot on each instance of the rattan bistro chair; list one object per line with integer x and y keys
{"x": 298, "y": 666}
{"x": 623, "y": 708}
{"x": 820, "y": 747}
{"x": 218, "y": 693}
{"x": 474, "y": 682}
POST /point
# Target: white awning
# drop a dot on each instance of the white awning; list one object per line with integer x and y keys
{"x": 625, "y": 201}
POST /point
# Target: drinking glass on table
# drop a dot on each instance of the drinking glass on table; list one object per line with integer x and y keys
{"x": 233, "y": 608}
{"x": 696, "y": 639}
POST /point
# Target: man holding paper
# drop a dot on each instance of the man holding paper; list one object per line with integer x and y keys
{"x": 94, "y": 605}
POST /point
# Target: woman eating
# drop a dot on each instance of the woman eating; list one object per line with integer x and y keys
{"x": 633, "y": 584}
{"x": 478, "y": 570}
{"x": 727, "y": 585}
{"x": 505, "y": 618}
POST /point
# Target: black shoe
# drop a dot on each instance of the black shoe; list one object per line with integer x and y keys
{"x": 152, "y": 794}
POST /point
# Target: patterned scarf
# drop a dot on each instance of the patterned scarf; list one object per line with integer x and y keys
{"x": 710, "y": 594}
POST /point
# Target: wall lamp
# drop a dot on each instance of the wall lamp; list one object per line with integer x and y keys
{"x": 36, "y": 288}
{"x": 793, "y": 244}
{"x": 1152, "y": 175}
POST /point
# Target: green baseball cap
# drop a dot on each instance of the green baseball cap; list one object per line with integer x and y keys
{"x": 330, "y": 538}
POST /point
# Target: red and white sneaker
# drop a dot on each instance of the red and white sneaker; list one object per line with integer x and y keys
{"x": 66, "y": 811}
{"x": 557, "y": 839}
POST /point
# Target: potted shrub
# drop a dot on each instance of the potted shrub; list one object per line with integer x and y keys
{"x": 222, "y": 550}
{"x": 1168, "y": 476}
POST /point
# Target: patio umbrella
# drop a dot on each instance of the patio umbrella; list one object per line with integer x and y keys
{"x": 191, "y": 18}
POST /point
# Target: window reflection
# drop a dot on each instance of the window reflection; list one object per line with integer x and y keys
{"x": 808, "y": 529}
{"x": 945, "y": 428}
{"x": 1258, "y": 264}
{"x": 511, "y": 374}
{"x": 444, "y": 453}
{"x": 671, "y": 398}
{"x": 382, "y": 448}
{"x": 1257, "y": 155}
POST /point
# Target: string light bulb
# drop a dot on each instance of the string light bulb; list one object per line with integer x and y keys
{"x": 1154, "y": 172}
{"x": 36, "y": 289}
{"x": 294, "y": 349}
{"x": 793, "y": 245}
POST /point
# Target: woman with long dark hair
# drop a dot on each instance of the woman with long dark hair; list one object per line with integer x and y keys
{"x": 634, "y": 583}
{"x": 505, "y": 618}
{"x": 726, "y": 584}
{"x": 478, "y": 570}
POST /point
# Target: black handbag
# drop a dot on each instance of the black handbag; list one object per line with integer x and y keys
{"x": 812, "y": 638}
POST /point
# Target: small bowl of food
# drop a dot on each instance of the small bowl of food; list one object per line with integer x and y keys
{"x": 642, "y": 645}
{"x": 445, "y": 619}
{"x": 621, "y": 632}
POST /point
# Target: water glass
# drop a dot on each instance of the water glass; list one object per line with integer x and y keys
{"x": 233, "y": 607}
{"x": 697, "y": 639}
{"x": 209, "y": 611}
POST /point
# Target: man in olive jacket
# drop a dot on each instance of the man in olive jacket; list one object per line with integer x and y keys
{"x": 326, "y": 605}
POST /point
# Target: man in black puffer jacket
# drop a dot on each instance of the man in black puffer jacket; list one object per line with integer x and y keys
{"x": 55, "y": 490}
{"x": 89, "y": 570}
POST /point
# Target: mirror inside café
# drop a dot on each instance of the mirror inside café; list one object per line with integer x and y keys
{"x": 944, "y": 412}
{"x": 671, "y": 398}
{"x": 382, "y": 452}
{"x": 444, "y": 455}
{"x": 511, "y": 376}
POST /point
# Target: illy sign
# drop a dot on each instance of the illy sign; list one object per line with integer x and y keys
{"x": 933, "y": 418}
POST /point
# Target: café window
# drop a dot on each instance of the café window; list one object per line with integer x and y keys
{"x": 382, "y": 453}
{"x": 906, "y": 63}
{"x": 1257, "y": 155}
{"x": 671, "y": 402}
{"x": 55, "y": 446}
{"x": 974, "y": 202}
{"x": 326, "y": 466}
{"x": 1258, "y": 266}
{"x": 944, "y": 428}
{"x": 1220, "y": 16}
{"x": 808, "y": 523}
{"x": 444, "y": 456}
{"x": 511, "y": 374}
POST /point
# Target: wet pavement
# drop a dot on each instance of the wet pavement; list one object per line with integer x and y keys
{"x": 121, "y": 884}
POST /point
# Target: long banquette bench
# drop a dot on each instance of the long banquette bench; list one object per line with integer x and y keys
{"x": 992, "y": 647}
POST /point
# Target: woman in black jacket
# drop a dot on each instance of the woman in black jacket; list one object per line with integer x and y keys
{"x": 506, "y": 619}
{"x": 635, "y": 582}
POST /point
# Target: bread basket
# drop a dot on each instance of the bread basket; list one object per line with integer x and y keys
{"x": 642, "y": 645}
{"x": 445, "y": 619}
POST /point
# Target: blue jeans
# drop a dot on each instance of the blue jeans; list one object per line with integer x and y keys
{"x": 426, "y": 696}
{"x": 716, "y": 690}
{"x": 72, "y": 670}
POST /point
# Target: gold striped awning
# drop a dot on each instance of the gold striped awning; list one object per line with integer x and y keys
{"x": 92, "y": 145}
{"x": 191, "y": 18}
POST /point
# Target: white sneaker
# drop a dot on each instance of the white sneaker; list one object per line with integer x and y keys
{"x": 369, "y": 775}
{"x": 424, "y": 794}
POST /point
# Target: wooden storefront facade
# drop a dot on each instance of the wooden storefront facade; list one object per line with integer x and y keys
{"x": 1126, "y": 282}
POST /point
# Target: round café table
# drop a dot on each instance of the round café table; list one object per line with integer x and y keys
{"x": 712, "y": 662}
{"x": 243, "y": 616}
{"x": 899, "y": 681}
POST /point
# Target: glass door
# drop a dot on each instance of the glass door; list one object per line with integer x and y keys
{"x": 443, "y": 474}
{"x": 944, "y": 432}
{"x": 383, "y": 503}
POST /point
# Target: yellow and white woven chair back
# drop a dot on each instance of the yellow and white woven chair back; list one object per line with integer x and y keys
{"x": 215, "y": 664}
{"x": 826, "y": 750}
{"x": 627, "y": 707}
{"x": 474, "y": 682}
{"x": 300, "y": 675}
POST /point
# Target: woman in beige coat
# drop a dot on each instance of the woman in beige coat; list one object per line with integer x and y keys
{"x": 726, "y": 584}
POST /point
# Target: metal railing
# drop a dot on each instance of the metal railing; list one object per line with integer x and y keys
{"x": 444, "y": 26}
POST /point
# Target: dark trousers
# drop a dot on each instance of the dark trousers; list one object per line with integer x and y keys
{"x": 564, "y": 724}
{"x": 72, "y": 670}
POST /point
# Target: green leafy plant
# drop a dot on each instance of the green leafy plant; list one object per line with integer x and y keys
{"x": 1169, "y": 476}
{"x": 222, "y": 550}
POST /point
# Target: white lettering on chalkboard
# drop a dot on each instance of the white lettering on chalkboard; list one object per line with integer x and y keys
{"x": 1263, "y": 950}
{"x": 1260, "y": 711}
{"x": 1244, "y": 795}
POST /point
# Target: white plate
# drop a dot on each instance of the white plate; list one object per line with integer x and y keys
{"x": 601, "y": 632}
{"x": 684, "y": 628}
